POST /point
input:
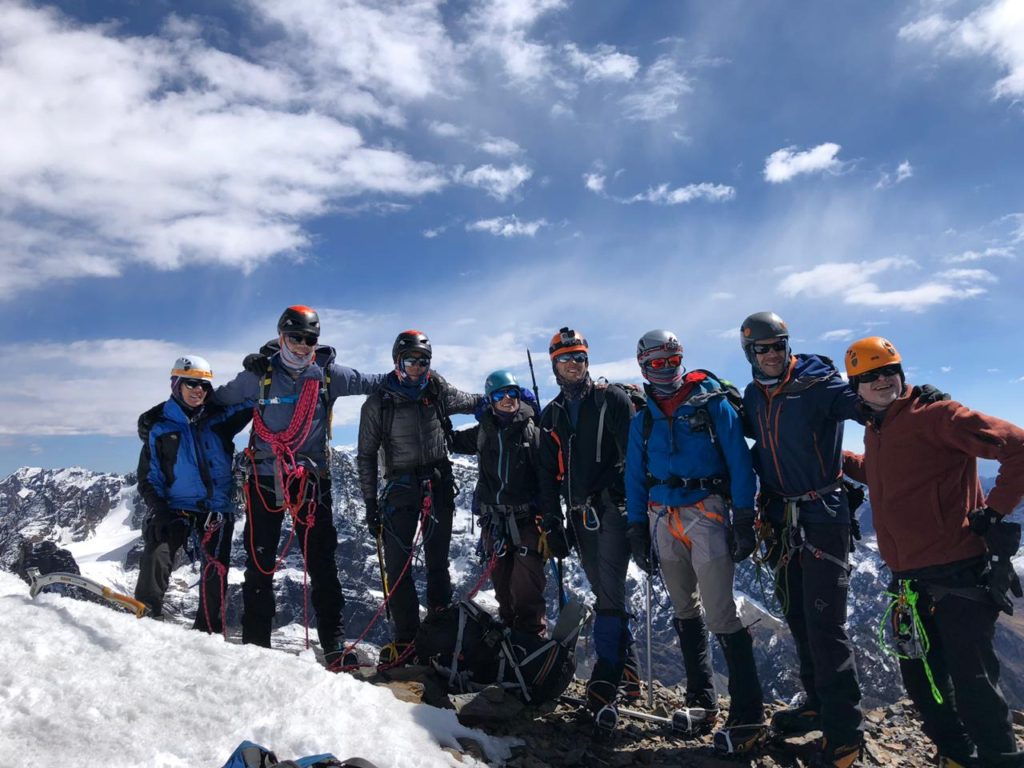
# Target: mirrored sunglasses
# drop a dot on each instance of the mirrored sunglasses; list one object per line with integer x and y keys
{"x": 778, "y": 346}
{"x": 875, "y": 375}
{"x": 421, "y": 362}
{"x": 302, "y": 338}
{"x": 574, "y": 357}
{"x": 658, "y": 363}
{"x": 500, "y": 394}
{"x": 194, "y": 384}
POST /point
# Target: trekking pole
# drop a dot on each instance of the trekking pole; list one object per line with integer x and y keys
{"x": 383, "y": 571}
{"x": 536, "y": 391}
{"x": 650, "y": 669}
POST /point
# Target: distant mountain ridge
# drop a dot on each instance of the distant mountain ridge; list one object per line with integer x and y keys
{"x": 97, "y": 517}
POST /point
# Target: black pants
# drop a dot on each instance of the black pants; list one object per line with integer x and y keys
{"x": 317, "y": 542}
{"x": 814, "y": 591}
{"x": 158, "y": 560}
{"x": 966, "y": 673}
{"x": 402, "y": 510}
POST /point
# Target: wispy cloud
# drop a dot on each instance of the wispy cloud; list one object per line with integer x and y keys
{"x": 664, "y": 195}
{"x": 856, "y": 283}
{"x": 594, "y": 181}
{"x": 603, "y": 63}
{"x": 499, "y": 146}
{"x": 445, "y": 130}
{"x": 507, "y": 226}
{"x": 840, "y": 334}
{"x": 499, "y": 183}
{"x": 988, "y": 253}
{"x": 995, "y": 30}
{"x": 785, "y": 164}
{"x": 501, "y": 28}
{"x": 658, "y": 91}
{"x": 903, "y": 172}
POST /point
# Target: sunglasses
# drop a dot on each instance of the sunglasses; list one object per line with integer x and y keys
{"x": 498, "y": 395}
{"x": 301, "y": 338}
{"x": 571, "y": 357}
{"x": 875, "y": 375}
{"x": 764, "y": 349}
{"x": 672, "y": 361}
{"x": 194, "y": 384}
{"x": 421, "y": 362}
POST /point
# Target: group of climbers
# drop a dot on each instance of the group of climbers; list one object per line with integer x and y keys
{"x": 674, "y": 485}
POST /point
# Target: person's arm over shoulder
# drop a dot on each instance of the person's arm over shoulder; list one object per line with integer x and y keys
{"x": 986, "y": 437}
{"x": 842, "y": 402}
{"x": 729, "y": 431}
{"x": 853, "y": 466}
{"x": 465, "y": 440}
{"x": 244, "y": 387}
{"x": 348, "y": 381}
{"x": 370, "y": 436}
{"x": 455, "y": 400}
{"x": 637, "y": 492}
{"x": 549, "y": 465}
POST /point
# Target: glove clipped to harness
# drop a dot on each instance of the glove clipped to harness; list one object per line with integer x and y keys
{"x": 156, "y": 529}
{"x": 257, "y": 363}
{"x": 558, "y": 543}
{"x": 980, "y": 520}
{"x": 639, "y": 535}
{"x": 744, "y": 538}
{"x": 373, "y": 518}
{"x": 1003, "y": 540}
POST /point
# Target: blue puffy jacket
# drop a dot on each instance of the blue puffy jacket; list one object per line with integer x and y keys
{"x": 682, "y": 446}
{"x": 186, "y": 462}
{"x": 798, "y": 428}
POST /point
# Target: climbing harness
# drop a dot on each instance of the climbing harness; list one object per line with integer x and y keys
{"x": 910, "y": 641}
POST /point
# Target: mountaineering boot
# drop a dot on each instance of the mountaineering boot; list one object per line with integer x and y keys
{"x": 744, "y": 729}
{"x": 630, "y": 685}
{"x": 394, "y": 654}
{"x": 701, "y": 709}
{"x": 838, "y": 756}
{"x": 338, "y": 659}
{"x": 949, "y": 762}
{"x": 602, "y": 690}
{"x": 800, "y": 719}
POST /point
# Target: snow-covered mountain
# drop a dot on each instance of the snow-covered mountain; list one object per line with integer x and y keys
{"x": 96, "y": 518}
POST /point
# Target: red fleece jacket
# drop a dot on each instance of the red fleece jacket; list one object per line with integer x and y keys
{"x": 920, "y": 466}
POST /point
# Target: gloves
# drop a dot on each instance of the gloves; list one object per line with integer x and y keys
{"x": 156, "y": 529}
{"x": 557, "y": 541}
{"x": 854, "y": 495}
{"x": 373, "y": 518}
{"x": 980, "y": 520}
{"x": 744, "y": 540}
{"x": 256, "y": 363}
{"x": 926, "y": 393}
{"x": 639, "y": 535}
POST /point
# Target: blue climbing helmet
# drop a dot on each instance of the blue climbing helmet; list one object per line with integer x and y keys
{"x": 499, "y": 380}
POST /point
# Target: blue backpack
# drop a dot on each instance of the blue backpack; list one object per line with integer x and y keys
{"x": 249, "y": 755}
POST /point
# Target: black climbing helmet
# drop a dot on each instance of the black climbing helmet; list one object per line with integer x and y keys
{"x": 759, "y": 326}
{"x": 299, "y": 319}
{"x": 411, "y": 341}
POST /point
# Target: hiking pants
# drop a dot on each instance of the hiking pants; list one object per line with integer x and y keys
{"x": 317, "y": 542}
{"x": 158, "y": 560}
{"x": 604, "y": 553}
{"x": 966, "y": 672}
{"x": 693, "y": 549}
{"x": 401, "y": 512}
{"x": 518, "y": 578}
{"x": 813, "y": 592}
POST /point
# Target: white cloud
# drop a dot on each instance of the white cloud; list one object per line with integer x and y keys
{"x": 433, "y": 232}
{"x": 988, "y": 253}
{"x": 496, "y": 182}
{"x": 946, "y": 368}
{"x": 445, "y": 130}
{"x": 180, "y": 154}
{"x": 501, "y": 28}
{"x": 784, "y": 164}
{"x": 507, "y": 226}
{"x": 840, "y": 334}
{"x": 995, "y": 30}
{"x": 604, "y": 63}
{"x": 663, "y": 195}
{"x": 499, "y": 146}
{"x": 855, "y": 283}
{"x": 658, "y": 92}
{"x": 594, "y": 182}
{"x": 903, "y": 172}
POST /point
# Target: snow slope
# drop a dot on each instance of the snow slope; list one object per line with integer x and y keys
{"x": 85, "y": 685}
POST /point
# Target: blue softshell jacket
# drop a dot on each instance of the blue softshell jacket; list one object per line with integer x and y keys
{"x": 679, "y": 446}
{"x": 798, "y": 429}
{"x": 186, "y": 462}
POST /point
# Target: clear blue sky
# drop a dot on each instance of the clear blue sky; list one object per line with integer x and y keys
{"x": 173, "y": 174}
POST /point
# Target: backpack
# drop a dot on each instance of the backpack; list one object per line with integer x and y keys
{"x": 250, "y": 755}
{"x": 701, "y": 420}
{"x": 473, "y": 650}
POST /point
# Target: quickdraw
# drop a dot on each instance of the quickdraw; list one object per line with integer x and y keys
{"x": 910, "y": 641}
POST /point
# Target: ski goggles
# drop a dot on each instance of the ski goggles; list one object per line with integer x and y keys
{"x": 500, "y": 394}
{"x": 420, "y": 362}
{"x": 195, "y": 384}
{"x": 658, "y": 363}
{"x": 875, "y": 375}
{"x": 301, "y": 338}
{"x": 776, "y": 346}
{"x": 571, "y": 357}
